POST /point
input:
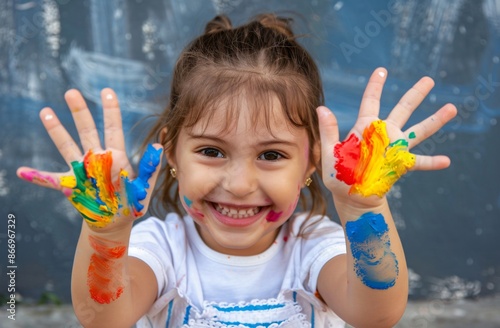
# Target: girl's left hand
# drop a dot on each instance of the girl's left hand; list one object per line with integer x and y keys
{"x": 368, "y": 113}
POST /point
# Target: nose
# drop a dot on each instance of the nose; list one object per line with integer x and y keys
{"x": 240, "y": 179}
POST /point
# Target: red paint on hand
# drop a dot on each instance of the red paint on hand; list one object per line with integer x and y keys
{"x": 347, "y": 154}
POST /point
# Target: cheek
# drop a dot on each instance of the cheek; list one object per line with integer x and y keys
{"x": 289, "y": 204}
{"x": 190, "y": 208}
{"x": 193, "y": 187}
{"x": 293, "y": 205}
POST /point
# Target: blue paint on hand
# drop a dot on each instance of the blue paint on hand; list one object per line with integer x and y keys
{"x": 137, "y": 189}
{"x": 375, "y": 264}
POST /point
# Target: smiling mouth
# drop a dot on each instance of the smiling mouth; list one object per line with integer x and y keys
{"x": 236, "y": 213}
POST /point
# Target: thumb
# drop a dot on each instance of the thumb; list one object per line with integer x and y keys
{"x": 140, "y": 189}
{"x": 328, "y": 129}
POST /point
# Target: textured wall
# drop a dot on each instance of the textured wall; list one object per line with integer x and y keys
{"x": 449, "y": 221}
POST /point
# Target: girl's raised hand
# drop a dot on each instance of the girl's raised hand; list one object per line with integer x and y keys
{"x": 101, "y": 183}
{"x": 375, "y": 154}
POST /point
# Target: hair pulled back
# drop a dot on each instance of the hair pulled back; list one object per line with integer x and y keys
{"x": 259, "y": 60}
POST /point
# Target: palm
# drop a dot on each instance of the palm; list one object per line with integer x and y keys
{"x": 368, "y": 113}
{"x": 88, "y": 191}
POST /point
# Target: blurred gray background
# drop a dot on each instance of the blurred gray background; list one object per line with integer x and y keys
{"x": 449, "y": 221}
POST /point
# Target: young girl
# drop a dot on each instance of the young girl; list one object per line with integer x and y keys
{"x": 245, "y": 138}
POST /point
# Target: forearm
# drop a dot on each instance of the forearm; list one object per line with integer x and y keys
{"x": 377, "y": 276}
{"x": 100, "y": 285}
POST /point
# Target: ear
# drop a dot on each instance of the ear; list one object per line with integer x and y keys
{"x": 315, "y": 160}
{"x": 168, "y": 148}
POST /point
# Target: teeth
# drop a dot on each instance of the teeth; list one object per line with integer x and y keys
{"x": 235, "y": 213}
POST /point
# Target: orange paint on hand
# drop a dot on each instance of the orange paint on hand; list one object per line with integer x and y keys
{"x": 104, "y": 275}
{"x": 94, "y": 194}
{"x": 373, "y": 165}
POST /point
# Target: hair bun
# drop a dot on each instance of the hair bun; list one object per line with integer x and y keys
{"x": 217, "y": 24}
{"x": 279, "y": 24}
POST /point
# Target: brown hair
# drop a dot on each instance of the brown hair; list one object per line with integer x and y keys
{"x": 259, "y": 60}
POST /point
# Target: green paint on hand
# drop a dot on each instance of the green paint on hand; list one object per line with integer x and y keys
{"x": 412, "y": 135}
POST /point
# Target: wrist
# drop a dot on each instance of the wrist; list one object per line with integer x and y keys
{"x": 353, "y": 206}
{"x": 117, "y": 233}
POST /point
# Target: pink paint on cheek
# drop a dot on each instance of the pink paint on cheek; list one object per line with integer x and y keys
{"x": 195, "y": 213}
{"x": 190, "y": 209}
{"x": 294, "y": 204}
{"x": 273, "y": 216}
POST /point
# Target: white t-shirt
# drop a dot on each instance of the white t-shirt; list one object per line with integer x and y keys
{"x": 199, "y": 287}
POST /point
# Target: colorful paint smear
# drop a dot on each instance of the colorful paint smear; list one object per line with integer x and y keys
{"x": 137, "y": 189}
{"x": 373, "y": 165}
{"x": 35, "y": 176}
{"x": 95, "y": 195}
{"x": 188, "y": 201}
{"x": 195, "y": 213}
{"x": 412, "y": 135}
{"x": 104, "y": 276}
{"x": 273, "y": 216}
{"x": 374, "y": 262}
{"x": 42, "y": 179}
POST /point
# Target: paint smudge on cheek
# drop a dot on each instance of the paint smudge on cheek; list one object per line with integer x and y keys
{"x": 188, "y": 201}
{"x": 273, "y": 216}
{"x": 374, "y": 262}
{"x": 95, "y": 195}
{"x": 104, "y": 275}
{"x": 193, "y": 212}
{"x": 373, "y": 165}
{"x": 293, "y": 205}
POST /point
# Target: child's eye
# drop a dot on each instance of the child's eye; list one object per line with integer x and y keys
{"x": 211, "y": 152}
{"x": 270, "y": 156}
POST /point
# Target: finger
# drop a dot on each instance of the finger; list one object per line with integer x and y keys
{"x": 41, "y": 178}
{"x": 431, "y": 163}
{"x": 139, "y": 190}
{"x": 423, "y": 130}
{"x": 89, "y": 137}
{"x": 410, "y": 101}
{"x": 154, "y": 177}
{"x": 329, "y": 134}
{"x": 370, "y": 103}
{"x": 61, "y": 138}
{"x": 113, "y": 129}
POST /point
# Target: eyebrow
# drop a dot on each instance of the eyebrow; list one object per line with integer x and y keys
{"x": 269, "y": 142}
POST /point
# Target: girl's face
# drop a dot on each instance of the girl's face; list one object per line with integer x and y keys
{"x": 240, "y": 185}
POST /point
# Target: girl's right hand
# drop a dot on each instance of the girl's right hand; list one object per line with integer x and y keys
{"x": 101, "y": 183}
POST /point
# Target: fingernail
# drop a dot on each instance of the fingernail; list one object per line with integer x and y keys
{"x": 381, "y": 73}
{"x": 48, "y": 117}
{"x": 109, "y": 96}
{"x": 323, "y": 111}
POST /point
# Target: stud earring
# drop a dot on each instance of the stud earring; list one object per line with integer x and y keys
{"x": 173, "y": 173}
{"x": 308, "y": 182}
